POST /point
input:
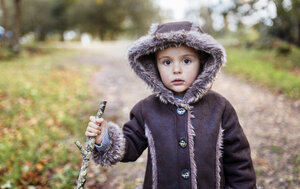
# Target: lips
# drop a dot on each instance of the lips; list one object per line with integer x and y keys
{"x": 178, "y": 82}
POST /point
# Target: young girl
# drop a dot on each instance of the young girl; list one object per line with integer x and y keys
{"x": 193, "y": 135}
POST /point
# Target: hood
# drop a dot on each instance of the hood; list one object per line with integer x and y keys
{"x": 141, "y": 57}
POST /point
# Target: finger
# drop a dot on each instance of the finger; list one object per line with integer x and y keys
{"x": 92, "y": 130}
{"x": 92, "y": 118}
{"x": 99, "y": 120}
{"x": 90, "y": 134}
{"x": 93, "y": 125}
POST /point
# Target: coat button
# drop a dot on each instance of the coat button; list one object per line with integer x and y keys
{"x": 182, "y": 143}
{"x": 181, "y": 111}
{"x": 185, "y": 174}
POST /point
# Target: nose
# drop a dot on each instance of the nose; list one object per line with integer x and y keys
{"x": 177, "y": 68}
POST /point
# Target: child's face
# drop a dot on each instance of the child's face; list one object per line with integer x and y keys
{"x": 178, "y": 68}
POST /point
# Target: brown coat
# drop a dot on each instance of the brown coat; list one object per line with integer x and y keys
{"x": 196, "y": 142}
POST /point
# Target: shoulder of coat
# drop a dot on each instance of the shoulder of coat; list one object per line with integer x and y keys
{"x": 144, "y": 102}
{"x": 215, "y": 95}
{"x": 150, "y": 99}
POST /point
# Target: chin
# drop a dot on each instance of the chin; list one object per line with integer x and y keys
{"x": 179, "y": 91}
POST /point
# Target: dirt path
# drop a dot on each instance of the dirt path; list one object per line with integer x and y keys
{"x": 271, "y": 122}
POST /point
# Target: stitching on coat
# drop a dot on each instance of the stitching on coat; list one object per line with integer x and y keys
{"x": 191, "y": 135}
{"x": 219, "y": 153}
{"x": 153, "y": 156}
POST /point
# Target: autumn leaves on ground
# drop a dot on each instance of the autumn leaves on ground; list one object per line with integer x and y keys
{"x": 46, "y": 97}
{"x": 42, "y": 108}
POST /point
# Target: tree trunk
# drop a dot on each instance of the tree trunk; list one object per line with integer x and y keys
{"x": 100, "y": 33}
{"x": 298, "y": 42}
{"x": 41, "y": 36}
{"x": 4, "y": 10}
{"x": 17, "y": 25}
{"x": 225, "y": 21}
{"x": 61, "y": 36}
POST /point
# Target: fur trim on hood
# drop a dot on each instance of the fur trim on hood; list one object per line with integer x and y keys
{"x": 141, "y": 56}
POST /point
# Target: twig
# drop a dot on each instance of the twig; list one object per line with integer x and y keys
{"x": 86, "y": 154}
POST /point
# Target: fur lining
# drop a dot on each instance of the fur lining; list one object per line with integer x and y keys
{"x": 141, "y": 57}
{"x": 219, "y": 153}
{"x": 191, "y": 135}
{"x": 258, "y": 187}
{"x": 116, "y": 150}
{"x": 196, "y": 28}
{"x": 153, "y": 156}
{"x": 153, "y": 28}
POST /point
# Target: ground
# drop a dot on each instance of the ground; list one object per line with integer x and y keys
{"x": 270, "y": 121}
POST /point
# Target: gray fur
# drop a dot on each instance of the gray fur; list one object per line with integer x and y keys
{"x": 191, "y": 135}
{"x": 219, "y": 153}
{"x": 116, "y": 150}
{"x": 153, "y": 28}
{"x": 146, "y": 46}
{"x": 258, "y": 187}
{"x": 153, "y": 156}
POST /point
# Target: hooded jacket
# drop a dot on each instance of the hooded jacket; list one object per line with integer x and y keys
{"x": 195, "y": 142}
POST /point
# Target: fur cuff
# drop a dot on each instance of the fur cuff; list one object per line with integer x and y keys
{"x": 116, "y": 150}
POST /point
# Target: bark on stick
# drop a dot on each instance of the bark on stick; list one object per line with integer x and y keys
{"x": 86, "y": 154}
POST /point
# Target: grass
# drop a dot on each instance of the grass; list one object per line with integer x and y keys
{"x": 278, "y": 72}
{"x": 43, "y": 110}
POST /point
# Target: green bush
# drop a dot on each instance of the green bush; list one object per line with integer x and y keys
{"x": 267, "y": 68}
{"x": 42, "y": 114}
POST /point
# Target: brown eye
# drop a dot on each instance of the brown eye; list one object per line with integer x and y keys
{"x": 187, "y": 61}
{"x": 166, "y": 62}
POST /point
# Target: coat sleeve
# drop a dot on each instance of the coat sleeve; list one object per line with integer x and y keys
{"x": 127, "y": 143}
{"x": 238, "y": 167}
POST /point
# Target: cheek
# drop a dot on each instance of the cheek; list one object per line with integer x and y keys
{"x": 163, "y": 73}
{"x": 192, "y": 74}
{"x": 164, "y": 76}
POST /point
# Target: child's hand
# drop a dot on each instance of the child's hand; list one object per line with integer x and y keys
{"x": 96, "y": 128}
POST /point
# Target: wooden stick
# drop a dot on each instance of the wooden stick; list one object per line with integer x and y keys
{"x": 86, "y": 154}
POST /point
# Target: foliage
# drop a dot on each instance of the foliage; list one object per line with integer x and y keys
{"x": 6, "y": 53}
{"x": 279, "y": 72}
{"x": 110, "y": 18}
{"x": 44, "y": 17}
{"x": 29, "y": 49}
{"x": 43, "y": 110}
{"x": 106, "y": 18}
{"x": 286, "y": 25}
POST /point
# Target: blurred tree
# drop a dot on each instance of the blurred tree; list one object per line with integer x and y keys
{"x": 139, "y": 17}
{"x": 38, "y": 18}
{"x": 17, "y": 26}
{"x": 205, "y": 14}
{"x": 110, "y": 18}
{"x": 238, "y": 9}
{"x": 4, "y": 13}
{"x": 105, "y": 18}
{"x": 286, "y": 25}
{"x": 11, "y": 21}
{"x": 59, "y": 14}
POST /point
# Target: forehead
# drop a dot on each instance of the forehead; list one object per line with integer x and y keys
{"x": 176, "y": 51}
